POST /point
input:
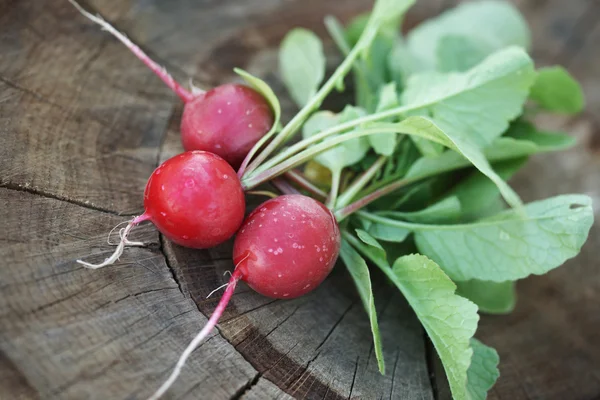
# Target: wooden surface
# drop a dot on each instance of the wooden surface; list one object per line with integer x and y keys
{"x": 83, "y": 124}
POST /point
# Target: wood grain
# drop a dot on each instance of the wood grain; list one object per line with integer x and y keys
{"x": 82, "y": 125}
{"x": 71, "y": 333}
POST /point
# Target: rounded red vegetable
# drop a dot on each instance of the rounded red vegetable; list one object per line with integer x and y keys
{"x": 284, "y": 249}
{"x": 195, "y": 199}
{"x": 227, "y": 120}
{"x": 287, "y": 246}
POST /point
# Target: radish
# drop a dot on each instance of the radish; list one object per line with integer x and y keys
{"x": 284, "y": 249}
{"x": 227, "y": 120}
{"x": 195, "y": 199}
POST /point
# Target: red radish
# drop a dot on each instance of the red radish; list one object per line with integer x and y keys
{"x": 227, "y": 120}
{"x": 284, "y": 249}
{"x": 195, "y": 199}
{"x": 287, "y": 246}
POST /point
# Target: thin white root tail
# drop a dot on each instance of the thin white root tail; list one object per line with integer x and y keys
{"x": 217, "y": 289}
{"x": 123, "y": 233}
{"x": 159, "y": 70}
{"x": 212, "y": 322}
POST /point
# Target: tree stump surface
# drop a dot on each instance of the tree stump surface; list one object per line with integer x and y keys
{"x": 82, "y": 126}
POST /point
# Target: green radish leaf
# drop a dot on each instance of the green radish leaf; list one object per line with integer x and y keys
{"x": 388, "y": 233}
{"x": 401, "y": 63}
{"x": 503, "y": 148}
{"x": 426, "y": 128}
{"x": 477, "y": 195}
{"x": 356, "y": 27}
{"x": 550, "y": 141}
{"x": 510, "y": 246}
{"x": 445, "y": 210}
{"x": 459, "y": 53}
{"x": 493, "y": 24}
{"x": 385, "y": 143}
{"x": 450, "y": 320}
{"x": 371, "y": 249}
{"x": 475, "y": 106}
{"x": 261, "y": 87}
{"x": 483, "y": 371}
{"x": 338, "y": 34}
{"x": 362, "y": 279}
{"x": 370, "y": 240}
{"x": 344, "y": 154}
{"x": 302, "y": 64}
{"x": 490, "y": 297}
{"x": 387, "y": 13}
{"x": 555, "y": 90}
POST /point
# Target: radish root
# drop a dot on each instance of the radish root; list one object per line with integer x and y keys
{"x": 123, "y": 233}
{"x": 217, "y": 289}
{"x": 212, "y": 322}
{"x": 159, "y": 70}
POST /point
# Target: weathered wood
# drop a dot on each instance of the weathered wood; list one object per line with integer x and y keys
{"x": 82, "y": 125}
{"x": 549, "y": 346}
{"x": 68, "y": 332}
{"x": 316, "y": 345}
{"x": 81, "y": 120}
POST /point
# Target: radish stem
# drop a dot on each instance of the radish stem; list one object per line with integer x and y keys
{"x": 159, "y": 70}
{"x": 299, "y": 179}
{"x": 284, "y": 187}
{"x": 212, "y": 322}
{"x": 360, "y": 182}
{"x": 365, "y": 40}
{"x": 336, "y": 176}
{"x": 368, "y": 199}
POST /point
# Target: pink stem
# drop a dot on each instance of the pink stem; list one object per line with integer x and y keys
{"x": 299, "y": 179}
{"x": 368, "y": 199}
{"x": 159, "y": 70}
{"x": 284, "y": 187}
{"x": 212, "y": 322}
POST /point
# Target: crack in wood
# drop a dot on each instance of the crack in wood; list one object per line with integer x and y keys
{"x": 31, "y": 190}
{"x": 247, "y": 387}
{"x": 335, "y": 325}
{"x": 240, "y": 315}
{"x": 394, "y": 372}
{"x": 60, "y": 107}
{"x": 354, "y": 377}
{"x": 260, "y": 336}
{"x": 144, "y": 292}
{"x": 161, "y": 240}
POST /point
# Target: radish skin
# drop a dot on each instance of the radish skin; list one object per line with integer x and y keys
{"x": 227, "y": 120}
{"x": 284, "y": 249}
{"x": 195, "y": 199}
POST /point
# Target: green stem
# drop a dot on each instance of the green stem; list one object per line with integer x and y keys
{"x": 364, "y": 250}
{"x": 260, "y": 177}
{"x": 344, "y": 212}
{"x": 303, "y": 144}
{"x": 360, "y": 182}
{"x": 341, "y": 71}
{"x": 387, "y": 221}
{"x": 336, "y": 176}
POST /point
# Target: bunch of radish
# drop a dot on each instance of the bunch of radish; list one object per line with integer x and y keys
{"x": 234, "y": 142}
